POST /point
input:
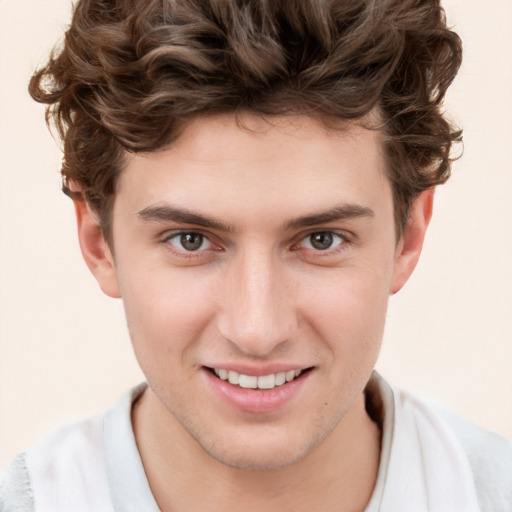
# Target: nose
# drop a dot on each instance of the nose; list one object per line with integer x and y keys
{"x": 258, "y": 314}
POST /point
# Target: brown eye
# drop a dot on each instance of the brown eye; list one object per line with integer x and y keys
{"x": 189, "y": 242}
{"x": 322, "y": 241}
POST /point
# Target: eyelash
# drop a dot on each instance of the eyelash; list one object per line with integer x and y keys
{"x": 184, "y": 253}
{"x": 345, "y": 238}
{"x": 345, "y": 242}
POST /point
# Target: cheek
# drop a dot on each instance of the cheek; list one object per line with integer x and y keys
{"x": 349, "y": 310}
{"x": 165, "y": 311}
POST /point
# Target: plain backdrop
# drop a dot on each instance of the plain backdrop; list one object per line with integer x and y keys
{"x": 64, "y": 348}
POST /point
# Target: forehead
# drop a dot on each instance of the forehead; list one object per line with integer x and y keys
{"x": 233, "y": 166}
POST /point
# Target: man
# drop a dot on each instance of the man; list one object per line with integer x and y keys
{"x": 254, "y": 179}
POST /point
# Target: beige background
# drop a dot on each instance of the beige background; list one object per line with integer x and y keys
{"x": 64, "y": 350}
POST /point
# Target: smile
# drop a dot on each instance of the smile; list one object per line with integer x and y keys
{"x": 257, "y": 382}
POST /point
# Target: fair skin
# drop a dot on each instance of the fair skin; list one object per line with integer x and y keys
{"x": 258, "y": 250}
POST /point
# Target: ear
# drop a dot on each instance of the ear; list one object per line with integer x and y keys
{"x": 409, "y": 247}
{"x": 95, "y": 249}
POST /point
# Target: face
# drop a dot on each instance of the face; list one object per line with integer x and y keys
{"x": 255, "y": 265}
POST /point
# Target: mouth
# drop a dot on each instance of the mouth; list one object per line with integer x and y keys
{"x": 270, "y": 381}
{"x": 258, "y": 394}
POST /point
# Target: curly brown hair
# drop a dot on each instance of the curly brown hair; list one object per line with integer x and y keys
{"x": 131, "y": 72}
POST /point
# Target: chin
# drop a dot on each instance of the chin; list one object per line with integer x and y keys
{"x": 263, "y": 452}
{"x": 256, "y": 460}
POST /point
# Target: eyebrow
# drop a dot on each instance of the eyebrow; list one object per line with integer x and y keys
{"x": 168, "y": 213}
{"x": 343, "y": 212}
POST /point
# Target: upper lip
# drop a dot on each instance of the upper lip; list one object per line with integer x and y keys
{"x": 258, "y": 371}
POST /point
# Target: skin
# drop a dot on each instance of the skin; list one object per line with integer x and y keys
{"x": 255, "y": 295}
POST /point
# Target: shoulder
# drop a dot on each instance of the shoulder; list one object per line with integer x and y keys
{"x": 91, "y": 465}
{"x": 65, "y": 471}
{"x": 488, "y": 455}
{"x": 433, "y": 460}
{"x": 69, "y": 470}
{"x": 16, "y": 490}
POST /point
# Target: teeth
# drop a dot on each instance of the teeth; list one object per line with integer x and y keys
{"x": 248, "y": 381}
{"x": 280, "y": 378}
{"x": 233, "y": 377}
{"x": 252, "y": 382}
{"x": 267, "y": 381}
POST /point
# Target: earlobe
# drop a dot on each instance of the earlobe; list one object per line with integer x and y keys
{"x": 95, "y": 249}
{"x": 410, "y": 245}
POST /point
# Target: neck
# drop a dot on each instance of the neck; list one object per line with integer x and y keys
{"x": 339, "y": 474}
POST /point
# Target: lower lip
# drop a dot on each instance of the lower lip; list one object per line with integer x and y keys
{"x": 257, "y": 400}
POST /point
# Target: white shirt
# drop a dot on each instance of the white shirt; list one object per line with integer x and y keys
{"x": 431, "y": 460}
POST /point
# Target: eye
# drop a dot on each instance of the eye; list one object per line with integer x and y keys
{"x": 322, "y": 241}
{"x": 189, "y": 242}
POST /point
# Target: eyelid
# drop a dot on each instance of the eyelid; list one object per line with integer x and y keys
{"x": 183, "y": 253}
{"x": 177, "y": 236}
{"x": 347, "y": 240}
{"x": 346, "y": 235}
{"x": 337, "y": 240}
{"x": 170, "y": 233}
